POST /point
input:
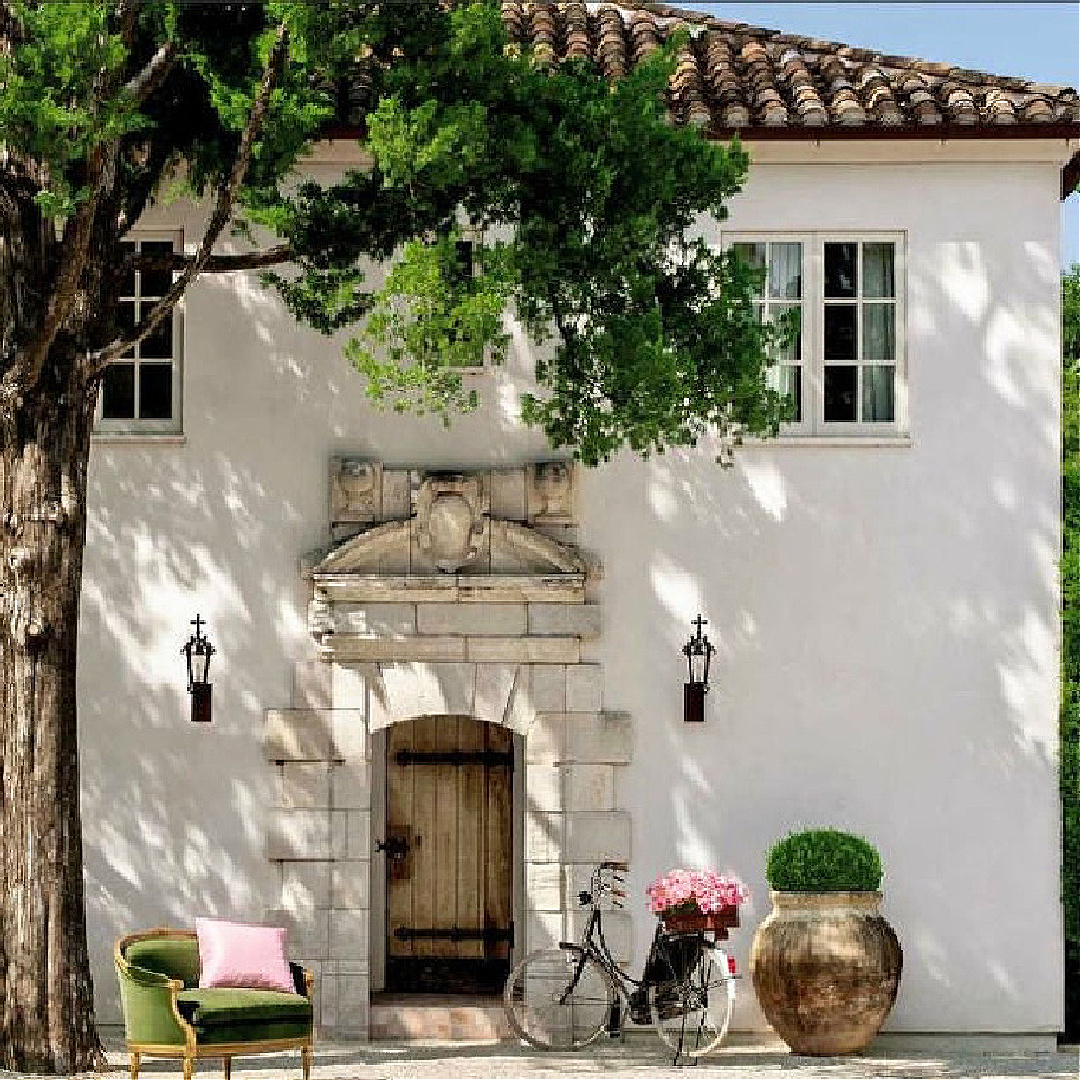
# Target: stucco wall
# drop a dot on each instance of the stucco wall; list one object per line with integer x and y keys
{"x": 886, "y": 616}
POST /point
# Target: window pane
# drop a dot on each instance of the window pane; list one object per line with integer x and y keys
{"x": 840, "y": 332}
{"x": 155, "y": 391}
{"x": 840, "y": 398}
{"x": 878, "y": 277}
{"x": 785, "y": 271}
{"x": 879, "y": 332}
{"x": 840, "y": 269}
{"x": 791, "y": 386}
{"x": 754, "y": 254}
{"x": 127, "y": 281}
{"x": 125, "y": 318}
{"x": 791, "y": 313}
{"x": 156, "y": 282}
{"x": 118, "y": 392}
{"x": 878, "y": 397}
{"x": 157, "y": 345}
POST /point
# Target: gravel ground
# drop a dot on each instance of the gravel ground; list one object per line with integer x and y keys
{"x": 632, "y": 1058}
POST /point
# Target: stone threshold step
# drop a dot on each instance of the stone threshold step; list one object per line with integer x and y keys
{"x": 423, "y": 1017}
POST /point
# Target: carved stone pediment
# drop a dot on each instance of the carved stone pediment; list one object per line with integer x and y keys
{"x": 454, "y": 544}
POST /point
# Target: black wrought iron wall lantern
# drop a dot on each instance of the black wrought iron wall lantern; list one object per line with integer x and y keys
{"x": 698, "y": 652}
{"x": 197, "y": 652}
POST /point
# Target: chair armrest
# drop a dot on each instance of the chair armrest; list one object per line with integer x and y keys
{"x": 146, "y": 977}
{"x": 303, "y": 980}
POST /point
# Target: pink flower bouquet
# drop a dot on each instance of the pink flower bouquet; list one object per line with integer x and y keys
{"x": 697, "y": 899}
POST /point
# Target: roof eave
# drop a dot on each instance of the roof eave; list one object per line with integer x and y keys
{"x": 1065, "y": 129}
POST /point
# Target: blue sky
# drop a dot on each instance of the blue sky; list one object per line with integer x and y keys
{"x": 1039, "y": 41}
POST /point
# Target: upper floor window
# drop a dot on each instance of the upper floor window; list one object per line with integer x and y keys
{"x": 140, "y": 392}
{"x": 844, "y": 369}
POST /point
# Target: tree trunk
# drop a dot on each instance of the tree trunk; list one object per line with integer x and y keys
{"x": 46, "y": 993}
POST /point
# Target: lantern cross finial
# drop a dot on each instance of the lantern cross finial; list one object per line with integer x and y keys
{"x": 699, "y": 622}
{"x": 198, "y": 622}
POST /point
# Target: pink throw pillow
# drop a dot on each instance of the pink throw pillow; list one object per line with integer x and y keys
{"x": 239, "y": 954}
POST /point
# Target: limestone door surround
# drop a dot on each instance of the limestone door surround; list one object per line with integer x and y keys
{"x": 443, "y": 594}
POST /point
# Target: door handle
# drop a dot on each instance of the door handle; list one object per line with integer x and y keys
{"x": 395, "y": 847}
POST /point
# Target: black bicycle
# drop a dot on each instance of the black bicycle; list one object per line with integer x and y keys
{"x": 565, "y": 998}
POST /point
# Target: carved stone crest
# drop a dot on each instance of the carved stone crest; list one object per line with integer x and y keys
{"x": 450, "y": 518}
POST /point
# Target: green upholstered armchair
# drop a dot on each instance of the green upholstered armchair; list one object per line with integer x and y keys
{"x": 166, "y": 1014}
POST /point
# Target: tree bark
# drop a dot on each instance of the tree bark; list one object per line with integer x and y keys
{"x": 46, "y": 993}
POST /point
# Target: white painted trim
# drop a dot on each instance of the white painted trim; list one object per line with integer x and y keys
{"x": 1050, "y": 151}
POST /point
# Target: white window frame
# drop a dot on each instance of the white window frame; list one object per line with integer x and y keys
{"x": 120, "y": 427}
{"x": 813, "y": 424}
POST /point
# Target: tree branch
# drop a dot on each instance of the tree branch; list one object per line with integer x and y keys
{"x": 142, "y": 85}
{"x": 216, "y": 264}
{"x": 96, "y": 361}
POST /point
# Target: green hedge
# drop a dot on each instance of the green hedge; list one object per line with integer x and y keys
{"x": 1070, "y": 636}
{"x": 823, "y": 860}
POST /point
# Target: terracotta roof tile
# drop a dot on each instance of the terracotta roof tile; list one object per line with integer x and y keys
{"x": 735, "y": 76}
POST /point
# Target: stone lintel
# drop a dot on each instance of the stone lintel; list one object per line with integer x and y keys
{"x": 451, "y": 588}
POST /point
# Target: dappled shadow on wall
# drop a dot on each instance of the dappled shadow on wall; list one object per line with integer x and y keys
{"x": 886, "y": 625}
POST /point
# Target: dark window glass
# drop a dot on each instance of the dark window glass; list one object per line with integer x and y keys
{"x": 840, "y": 260}
{"x": 125, "y": 318}
{"x": 118, "y": 392}
{"x": 463, "y": 263}
{"x": 791, "y": 386}
{"x": 157, "y": 345}
{"x": 155, "y": 391}
{"x": 840, "y": 393}
{"x": 127, "y": 279}
{"x": 156, "y": 282}
{"x": 840, "y": 331}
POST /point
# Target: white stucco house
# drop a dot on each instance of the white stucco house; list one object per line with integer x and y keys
{"x": 880, "y": 581}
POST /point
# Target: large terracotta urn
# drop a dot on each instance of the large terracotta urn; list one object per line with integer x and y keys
{"x": 826, "y": 968}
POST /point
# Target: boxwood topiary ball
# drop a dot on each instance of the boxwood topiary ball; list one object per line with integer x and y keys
{"x": 823, "y": 860}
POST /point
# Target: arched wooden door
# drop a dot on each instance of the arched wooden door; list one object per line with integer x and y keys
{"x": 448, "y": 854}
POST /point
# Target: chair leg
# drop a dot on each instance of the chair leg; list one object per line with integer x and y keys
{"x": 305, "y": 1061}
{"x": 134, "y": 1057}
{"x": 189, "y": 1067}
{"x": 227, "y": 1063}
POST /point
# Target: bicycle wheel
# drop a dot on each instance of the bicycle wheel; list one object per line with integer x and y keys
{"x": 692, "y": 1009}
{"x": 558, "y": 999}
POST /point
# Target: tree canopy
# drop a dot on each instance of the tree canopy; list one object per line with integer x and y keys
{"x": 581, "y": 195}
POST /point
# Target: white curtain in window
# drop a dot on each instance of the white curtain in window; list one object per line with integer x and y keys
{"x": 785, "y": 271}
{"x": 877, "y": 267}
{"x": 878, "y": 397}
